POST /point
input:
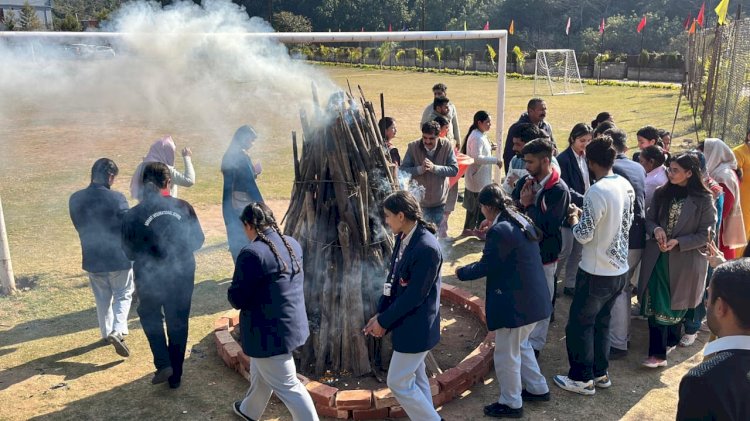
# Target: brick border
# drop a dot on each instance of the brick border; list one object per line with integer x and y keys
{"x": 362, "y": 404}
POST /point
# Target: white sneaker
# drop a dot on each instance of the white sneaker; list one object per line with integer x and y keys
{"x": 688, "y": 339}
{"x": 582, "y": 388}
{"x": 603, "y": 381}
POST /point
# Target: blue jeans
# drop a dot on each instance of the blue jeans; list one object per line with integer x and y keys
{"x": 692, "y": 325}
{"x": 588, "y": 324}
{"x": 434, "y": 214}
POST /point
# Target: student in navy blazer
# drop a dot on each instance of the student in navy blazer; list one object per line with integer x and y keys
{"x": 571, "y": 161}
{"x": 517, "y": 298}
{"x": 410, "y": 305}
{"x": 267, "y": 288}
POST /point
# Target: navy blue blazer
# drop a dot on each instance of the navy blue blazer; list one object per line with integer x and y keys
{"x": 412, "y": 312}
{"x": 636, "y": 175}
{"x": 571, "y": 174}
{"x": 517, "y": 292}
{"x": 273, "y": 320}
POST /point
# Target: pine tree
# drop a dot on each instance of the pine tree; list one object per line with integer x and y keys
{"x": 10, "y": 22}
{"x": 29, "y": 20}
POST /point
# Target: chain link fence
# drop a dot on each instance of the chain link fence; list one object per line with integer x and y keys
{"x": 718, "y": 80}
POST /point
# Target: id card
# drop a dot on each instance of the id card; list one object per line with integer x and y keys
{"x": 387, "y": 289}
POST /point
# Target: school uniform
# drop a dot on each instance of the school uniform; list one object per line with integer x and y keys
{"x": 273, "y": 323}
{"x": 517, "y": 298}
{"x": 575, "y": 173}
{"x": 412, "y": 315}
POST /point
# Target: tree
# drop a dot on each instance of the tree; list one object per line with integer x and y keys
{"x": 10, "y": 22}
{"x": 68, "y": 24}
{"x": 29, "y": 21}
{"x": 289, "y": 22}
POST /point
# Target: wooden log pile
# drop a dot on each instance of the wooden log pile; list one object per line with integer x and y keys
{"x": 342, "y": 174}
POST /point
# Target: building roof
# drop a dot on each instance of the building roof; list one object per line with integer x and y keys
{"x": 46, "y": 4}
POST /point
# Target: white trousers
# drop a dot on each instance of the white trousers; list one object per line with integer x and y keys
{"x": 113, "y": 293}
{"x": 538, "y": 337}
{"x": 408, "y": 381}
{"x": 278, "y": 375}
{"x": 516, "y": 367}
{"x": 619, "y": 323}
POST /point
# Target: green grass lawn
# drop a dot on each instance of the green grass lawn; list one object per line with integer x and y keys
{"x": 46, "y": 152}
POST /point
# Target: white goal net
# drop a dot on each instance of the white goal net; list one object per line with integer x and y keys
{"x": 558, "y": 69}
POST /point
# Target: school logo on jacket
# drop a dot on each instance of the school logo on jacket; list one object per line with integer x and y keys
{"x": 162, "y": 213}
{"x": 403, "y": 282}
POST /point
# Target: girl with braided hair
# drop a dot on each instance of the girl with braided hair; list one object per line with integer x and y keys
{"x": 410, "y": 305}
{"x": 267, "y": 288}
{"x": 517, "y": 299}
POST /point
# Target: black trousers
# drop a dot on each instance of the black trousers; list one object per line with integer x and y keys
{"x": 661, "y": 337}
{"x": 166, "y": 300}
{"x": 588, "y": 324}
{"x": 474, "y": 215}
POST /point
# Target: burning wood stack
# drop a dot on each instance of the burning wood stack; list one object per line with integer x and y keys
{"x": 342, "y": 174}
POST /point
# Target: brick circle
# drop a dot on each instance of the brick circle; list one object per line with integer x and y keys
{"x": 362, "y": 404}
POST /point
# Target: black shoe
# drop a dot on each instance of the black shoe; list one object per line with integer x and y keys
{"x": 498, "y": 410}
{"x": 569, "y": 291}
{"x": 236, "y": 407}
{"x": 530, "y": 397}
{"x": 120, "y": 348}
{"x": 174, "y": 383}
{"x": 617, "y": 353}
{"x": 161, "y": 375}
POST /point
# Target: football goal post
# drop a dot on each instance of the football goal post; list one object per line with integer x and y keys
{"x": 558, "y": 69}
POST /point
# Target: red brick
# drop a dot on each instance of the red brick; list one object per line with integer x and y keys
{"x": 476, "y": 306}
{"x": 384, "y": 398}
{"x": 397, "y": 412}
{"x": 235, "y": 320}
{"x": 354, "y": 399}
{"x": 244, "y": 360}
{"x": 489, "y": 340}
{"x": 222, "y": 337}
{"x": 476, "y": 366}
{"x": 322, "y": 393}
{"x": 331, "y": 412}
{"x": 434, "y": 386}
{"x": 450, "y": 378}
{"x": 460, "y": 388}
{"x": 222, "y": 323}
{"x": 370, "y": 414}
{"x": 442, "y": 398}
{"x": 243, "y": 372}
{"x": 227, "y": 358}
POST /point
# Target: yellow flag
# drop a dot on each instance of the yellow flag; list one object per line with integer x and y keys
{"x": 692, "y": 28}
{"x": 721, "y": 10}
{"x": 511, "y": 28}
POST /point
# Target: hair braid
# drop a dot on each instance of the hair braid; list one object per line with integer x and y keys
{"x": 275, "y": 251}
{"x": 292, "y": 256}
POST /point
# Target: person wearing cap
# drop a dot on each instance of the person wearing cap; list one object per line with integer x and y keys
{"x": 240, "y": 188}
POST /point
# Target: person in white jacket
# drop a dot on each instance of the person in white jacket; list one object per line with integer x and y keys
{"x": 163, "y": 150}
{"x": 477, "y": 145}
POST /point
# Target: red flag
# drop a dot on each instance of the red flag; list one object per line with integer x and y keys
{"x": 567, "y": 27}
{"x": 601, "y": 27}
{"x": 642, "y": 24}
{"x": 692, "y": 27}
{"x": 701, "y": 15}
{"x": 390, "y": 28}
{"x": 487, "y": 26}
{"x": 688, "y": 20}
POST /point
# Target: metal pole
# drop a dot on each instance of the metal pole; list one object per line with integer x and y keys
{"x": 423, "y": 12}
{"x": 502, "y": 58}
{"x": 7, "y": 280}
{"x": 639, "y": 60}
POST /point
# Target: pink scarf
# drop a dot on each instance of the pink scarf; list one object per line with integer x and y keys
{"x": 161, "y": 151}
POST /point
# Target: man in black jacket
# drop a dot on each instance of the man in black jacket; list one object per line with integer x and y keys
{"x": 536, "y": 112}
{"x": 718, "y": 389}
{"x": 544, "y": 197}
{"x": 160, "y": 235}
{"x": 619, "y": 324}
{"x": 97, "y": 212}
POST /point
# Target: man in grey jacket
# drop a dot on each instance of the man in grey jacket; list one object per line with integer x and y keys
{"x": 431, "y": 161}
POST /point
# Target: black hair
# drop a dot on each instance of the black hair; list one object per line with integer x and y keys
{"x": 492, "y": 196}
{"x": 619, "y": 139}
{"x": 384, "y": 124}
{"x": 431, "y": 127}
{"x": 102, "y": 169}
{"x": 403, "y": 201}
{"x": 601, "y": 152}
{"x": 541, "y": 148}
{"x": 580, "y": 129}
{"x": 442, "y": 121}
{"x": 440, "y": 87}
{"x": 533, "y": 102}
{"x": 649, "y": 132}
{"x": 601, "y": 118}
{"x": 701, "y": 146}
{"x": 747, "y": 250}
{"x": 664, "y": 195}
{"x": 654, "y": 153}
{"x": 259, "y": 216}
{"x": 156, "y": 177}
{"x": 528, "y": 132}
{"x": 603, "y": 127}
{"x": 478, "y": 116}
{"x": 441, "y": 100}
{"x": 731, "y": 282}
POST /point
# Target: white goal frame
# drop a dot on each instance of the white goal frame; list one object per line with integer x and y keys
{"x": 567, "y": 77}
